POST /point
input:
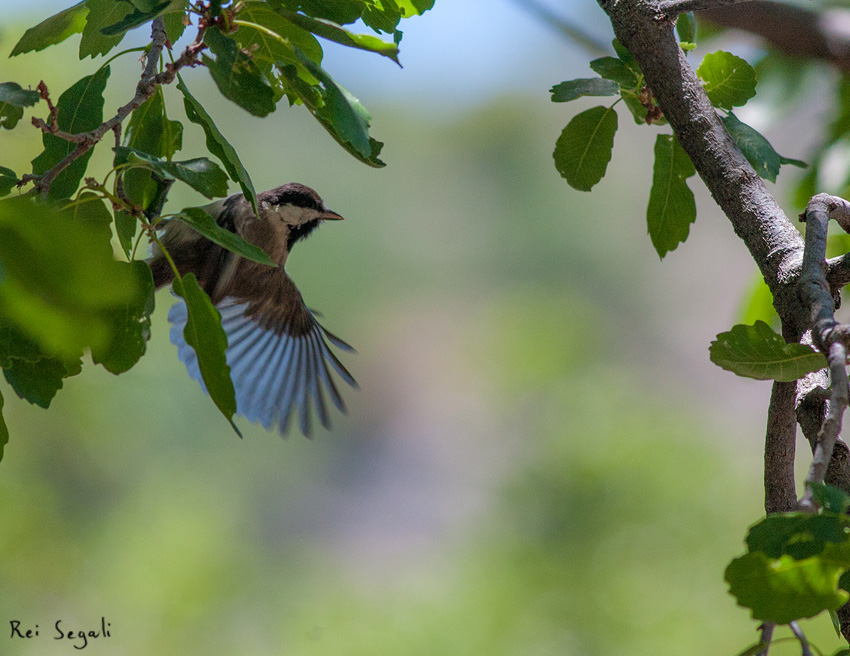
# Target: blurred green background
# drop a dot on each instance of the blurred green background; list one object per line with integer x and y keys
{"x": 540, "y": 460}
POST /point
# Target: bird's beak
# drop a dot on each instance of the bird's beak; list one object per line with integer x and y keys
{"x": 331, "y": 216}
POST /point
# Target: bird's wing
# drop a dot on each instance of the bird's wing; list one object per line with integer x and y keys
{"x": 278, "y": 360}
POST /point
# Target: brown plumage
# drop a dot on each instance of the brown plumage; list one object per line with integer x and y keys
{"x": 277, "y": 351}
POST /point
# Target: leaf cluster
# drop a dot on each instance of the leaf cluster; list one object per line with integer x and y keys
{"x": 585, "y": 147}
{"x": 796, "y": 565}
{"x": 62, "y": 292}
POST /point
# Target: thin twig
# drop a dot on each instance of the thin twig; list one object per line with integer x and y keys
{"x": 673, "y": 8}
{"x": 766, "y": 629}
{"x": 144, "y": 89}
{"x": 827, "y": 334}
{"x": 798, "y": 633}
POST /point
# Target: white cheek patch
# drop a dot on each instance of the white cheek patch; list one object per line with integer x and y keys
{"x": 291, "y": 214}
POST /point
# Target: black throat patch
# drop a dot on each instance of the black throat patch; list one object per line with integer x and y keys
{"x": 297, "y": 233}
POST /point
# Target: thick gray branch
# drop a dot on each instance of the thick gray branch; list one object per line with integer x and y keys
{"x": 776, "y": 246}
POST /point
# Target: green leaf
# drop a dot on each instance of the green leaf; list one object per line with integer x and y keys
{"x": 758, "y": 151}
{"x": 174, "y": 26}
{"x": 273, "y": 41}
{"x": 4, "y": 431}
{"x": 13, "y": 99}
{"x": 131, "y": 331}
{"x": 729, "y": 80}
{"x": 125, "y": 230}
{"x": 237, "y": 76}
{"x": 758, "y": 352}
{"x": 334, "y": 32}
{"x": 686, "y": 27}
{"x": 672, "y": 208}
{"x": 14, "y": 94}
{"x": 200, "y": 173}
{"x": 8, "y": 181}
{"x": 135, "y": 19}
{"x": 203, "y": 332}
{"x": 627, "y": 75}
{"x": 150, "y": 131}
{"x": 202, "y": 222}
{"x": 830, "y": 498}
{"x": 80, "y": 109}
{"x": 61, "y": 281}
{"x": 801, "y": 535}
{"x": 218, "y": 145}
{"x": 566, "y": 91}
{"x": 341, "y": 114}
{"x": 410, "y": 8}
{"x": 584, "y": 148}
{"x": 53, "y": 30}
{"x": 782, "y": 590}
{"x": 339, "y": 12}
{"x": 38, "y": 382}
{"x": 101, "y": 14}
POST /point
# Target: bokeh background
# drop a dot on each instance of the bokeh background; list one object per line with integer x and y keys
{"x": 541, "y": 458}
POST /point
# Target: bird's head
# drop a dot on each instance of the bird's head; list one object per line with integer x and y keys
{"x": 298, "y": 207}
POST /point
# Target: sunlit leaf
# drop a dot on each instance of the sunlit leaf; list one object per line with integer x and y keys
{"x": 783, "y": 589}
{"x": 339, "y": 34}
{"x": 729, "y": 80}
{"x": 584, "y": 148}
{"x": 80, "y": 109}
{"x": 341, "y": 114}
{"x": 759, "y": 352}
{"x": 203, "y": 332}
{"x": 53, "y": 30}
{"x": 672, "y": 207}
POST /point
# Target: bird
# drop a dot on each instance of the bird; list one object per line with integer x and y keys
{"x": 278, "y": 352}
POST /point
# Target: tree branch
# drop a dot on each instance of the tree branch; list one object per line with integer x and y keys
{"x": 827, "y": 335}
{"x": 775, "y": 244}
{"x": 794, "y": 30}
{"x": 780, "y": 494}
{"x": 673, "y": 8}
{"x": 150, "y": 79}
